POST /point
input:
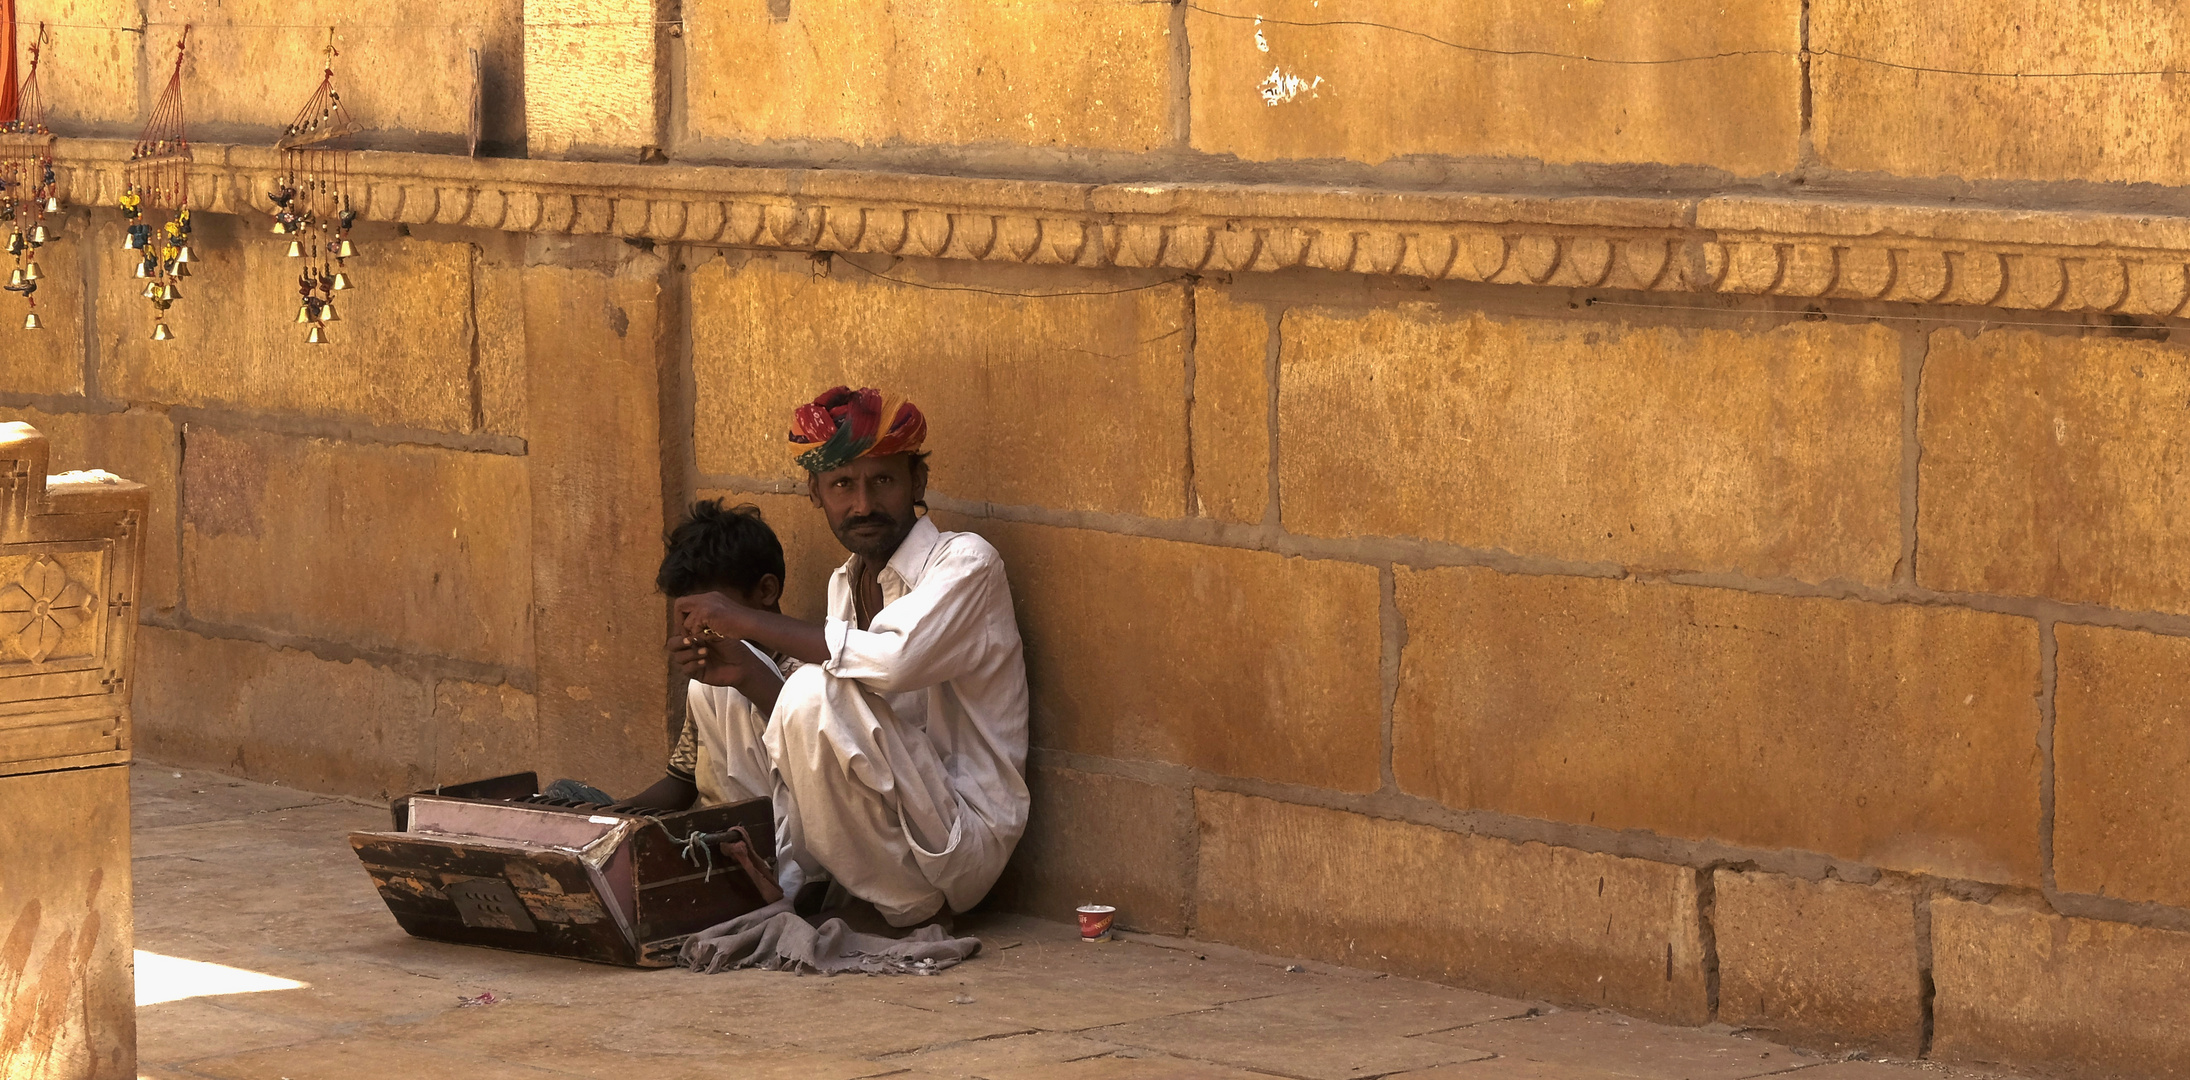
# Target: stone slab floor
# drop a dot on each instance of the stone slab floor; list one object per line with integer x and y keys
{"x": 315, "y": 982}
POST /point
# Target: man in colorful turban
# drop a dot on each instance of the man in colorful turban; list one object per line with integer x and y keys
{"x": 898, "y": 750}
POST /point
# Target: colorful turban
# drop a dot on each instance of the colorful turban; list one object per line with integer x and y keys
{"x": 843, "y": 425}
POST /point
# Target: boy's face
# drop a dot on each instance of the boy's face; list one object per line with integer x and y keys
{"x": 763, "y": 596}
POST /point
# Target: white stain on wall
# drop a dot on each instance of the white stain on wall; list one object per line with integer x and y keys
{"x": 1283, "y": 86}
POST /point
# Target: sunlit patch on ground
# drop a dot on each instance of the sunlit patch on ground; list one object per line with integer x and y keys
{"x": 172, "y": 978}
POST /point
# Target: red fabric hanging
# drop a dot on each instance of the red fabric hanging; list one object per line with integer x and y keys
{"x": 10, "y": 84}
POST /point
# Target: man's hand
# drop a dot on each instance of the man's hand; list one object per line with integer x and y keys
{"x": 720, "y": 663}
{"x": 712, "y": 618}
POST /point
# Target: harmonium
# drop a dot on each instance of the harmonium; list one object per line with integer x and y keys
{"x": 495, "y": 863}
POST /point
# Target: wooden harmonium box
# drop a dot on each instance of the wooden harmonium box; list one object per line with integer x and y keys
{"x": 493, "y": 863}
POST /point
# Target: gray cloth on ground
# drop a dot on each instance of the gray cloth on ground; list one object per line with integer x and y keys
{"x": 775, "y": 938}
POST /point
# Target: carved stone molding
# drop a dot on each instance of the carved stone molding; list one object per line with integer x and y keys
{"x": 1739, "y": 244}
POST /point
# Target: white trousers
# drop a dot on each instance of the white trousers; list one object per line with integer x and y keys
{"x": 862, "y": 796}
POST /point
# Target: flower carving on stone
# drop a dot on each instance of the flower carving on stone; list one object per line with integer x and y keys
{"x": 41, "y": 606}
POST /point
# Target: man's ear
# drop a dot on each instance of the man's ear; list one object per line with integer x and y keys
{"x": 766, "y": 592}
{"x": 920, "y": 480}
{"x": 813, "y": 489}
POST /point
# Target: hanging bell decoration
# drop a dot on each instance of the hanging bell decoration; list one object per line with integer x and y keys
{"x": 53, "y": 205}
{"x": 296, "y": 249}
{"x": 162, "y": 333}
{"x": 316, "y": 337}
{"x": 327, "y": 313}
{"x": 15, "y": 243}
{"x": 181, "y": 269}
{"x": 345, "y": 250}
{"x": 15, "y": 278}
{"x": 169, "y": 293}
{"x": 151, "y": 290}
{"x": 185, "y": 255}
{"x": 304, "y": 314}
{"x": 31, "y": 271}
{"x": 281, "y": 228}
{"x": 38, "y": 235}
{"x": 342, "y": 281}
{"x": 30, "y": 322}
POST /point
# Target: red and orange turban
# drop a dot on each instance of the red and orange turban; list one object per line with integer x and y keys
{"x": 843, "y": 425}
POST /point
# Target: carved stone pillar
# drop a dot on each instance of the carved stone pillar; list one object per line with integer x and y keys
{"x": 70, "y": 551}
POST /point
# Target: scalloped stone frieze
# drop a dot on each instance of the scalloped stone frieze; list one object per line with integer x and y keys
{"x": 2037, "y": 260}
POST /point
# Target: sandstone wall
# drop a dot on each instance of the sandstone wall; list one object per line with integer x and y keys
{"x": 1781, "y": 628}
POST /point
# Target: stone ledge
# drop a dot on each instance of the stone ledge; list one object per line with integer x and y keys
{"x": 1729, "y": 244}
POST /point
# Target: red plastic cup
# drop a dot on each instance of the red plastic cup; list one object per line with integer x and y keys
{"x": 1095, "y": 921}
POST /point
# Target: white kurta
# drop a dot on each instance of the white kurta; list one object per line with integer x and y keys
{"x": 732, "y": 762}
{"x": 900, "y": 762}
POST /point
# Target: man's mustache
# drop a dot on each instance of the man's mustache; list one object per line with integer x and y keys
{"x": 877, "y": 519}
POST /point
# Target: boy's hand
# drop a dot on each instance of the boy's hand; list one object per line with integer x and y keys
{"x": 716, "y": 663}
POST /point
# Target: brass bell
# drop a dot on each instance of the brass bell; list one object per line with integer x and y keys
{"x": 37, "y": 235}
{"x": 327, "y": 313}
{"x": 151, "y": 290}
{"x": 30, "y": 322}
{"x": 31, "y": 271}
{"x": 15, "y": 278}
{"x": 345, "y": 250}
{"x": 185, "y": 255}
{"x": 316, "y": 337}
{"x": 169, "y": 293}
{"x": 296, "y": 249}
{"x": 342, "y": 281}
{"x": 129, "y": 242}
{"x": 304, "y": 313}
{"x": 180, "y": 269}
{"x": 280, "y": 229}
{"x": 53, "y": 205}
{"x": 15, "y": 243}
{"x": 142, "y": 272}
{"x": 162, "y": 333}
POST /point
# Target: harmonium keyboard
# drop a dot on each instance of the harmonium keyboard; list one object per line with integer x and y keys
{"x": 495, "y": 863}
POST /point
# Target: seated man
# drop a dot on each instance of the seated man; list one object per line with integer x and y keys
{"x": 899, "y": 750}
{"x": 719, "y": 758}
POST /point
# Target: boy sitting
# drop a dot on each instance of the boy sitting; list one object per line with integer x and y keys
{"x": 720, "y": 757}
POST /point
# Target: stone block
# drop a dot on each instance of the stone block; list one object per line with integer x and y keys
{"x": 843, "y": 71}
{"x": 1297, "y": 80}
{"x": 2047, "y": 469}
{"x": 480, "y": 730}
{"x": 1526, "y": 920}
{"x": 382, "y": 547}
{"x": 2121, "y": 746}
{"x": 810, "y": 551}
{"x": 1773, "y": 453}
{"x": 1075, "y": 851}
{"x": 138, "y": 445}
{"x": 1141, "y": 648}
{"x": 1820, "y": 964}
{"x": 65, "y": 972}
{"x": 251, "y": 69}
{"x": 1231, "y": 407}
{"x": 592, "y": 76}
{"x": 400, "y": 356}
{"x": 89, "y": 76}
{"x": 595, "y": 460}
{"x": 1878, "y": 119}
{"x": 500, "y": 313}
{"x": 1071, "y": 402}
{"x": 266, "y": 713}
{"x": 48, "y": 360}
{"x": 2026, "y": 987}
{"x": 1892, "y": 734}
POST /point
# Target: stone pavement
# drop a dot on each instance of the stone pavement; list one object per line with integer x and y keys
{"x": 260, "y": 878}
